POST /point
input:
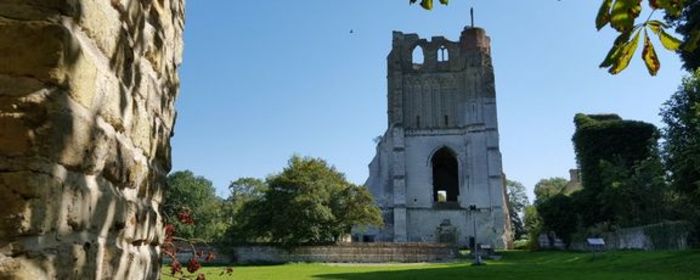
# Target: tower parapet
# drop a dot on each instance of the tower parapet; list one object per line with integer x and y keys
{"x": 433, "y": 82}
{"x": 475, "y": 39}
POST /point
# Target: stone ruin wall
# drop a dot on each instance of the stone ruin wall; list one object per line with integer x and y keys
{"x": 380, "y": 252}
{"x": 87, "y": 92}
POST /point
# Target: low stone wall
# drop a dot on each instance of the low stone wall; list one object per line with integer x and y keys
{"x": 356, "y": 253}
{"x": 662, "y": 236}
{"x": 184, "y": 254}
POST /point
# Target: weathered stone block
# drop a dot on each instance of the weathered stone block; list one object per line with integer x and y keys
{"x": 38, "y": 9}
{"x": 15, "y": 136}
{"x": 142, "y": 126}
{"x": 34, "y": 49}
{"x": 30, "y": 206}
{"x": 115, "y": 109}
{"x": 101, "y": 22}
{"x": 17, "y": 86}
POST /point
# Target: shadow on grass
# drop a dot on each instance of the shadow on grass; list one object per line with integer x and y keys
{"x": 454, "y": 272}
{"x": 551, "y": 265}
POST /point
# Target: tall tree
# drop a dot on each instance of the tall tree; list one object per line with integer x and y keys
{"x": 197, "y": 196}
{"x": 681, "y": 114}
{"x": 242, "y": 192}
{"x": 517, "y": 201}
{"x": 601, "y": 141}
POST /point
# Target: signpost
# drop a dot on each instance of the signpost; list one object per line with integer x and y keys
{"x": 477, "y": 256}
{"x": 595, "y": 245}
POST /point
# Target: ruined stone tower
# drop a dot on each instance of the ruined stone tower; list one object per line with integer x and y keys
{"x": 437, "y": 173}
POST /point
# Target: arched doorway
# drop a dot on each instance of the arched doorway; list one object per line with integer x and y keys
{"x": 445, "y": 176}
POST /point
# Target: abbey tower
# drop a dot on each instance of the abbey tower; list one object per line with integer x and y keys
{"x": 437, "y": 173}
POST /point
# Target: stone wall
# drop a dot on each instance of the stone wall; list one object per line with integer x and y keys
{"x": 661, "y": 236}
{"x": 353, "y": 253}
{"x": 87, "y": 92}
{"x": 348, "y": 253}
{"x": 184, "y": 255}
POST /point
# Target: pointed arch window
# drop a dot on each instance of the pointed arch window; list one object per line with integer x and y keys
{"x": 417, "y": 57}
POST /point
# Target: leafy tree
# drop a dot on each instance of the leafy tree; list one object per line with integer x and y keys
{"x": 308, "y": 202}
{"x": 622, "y": 16}
{"x": 242, "y": 192}
{"x": 688, "y": 25}
{"x": 247, "y": 187}
{"x": 533, "y": 226}
{"x": 636, "y": 196}
{"x": 546, "y": 188}
{"x": 554, "y": 211}
{"x": 517, "y": 201}
{"x": 681, "y": 114}
{"x": 354, "y": 205}
{"x": 197, "y": 196}
{"x": 559, "y": 215}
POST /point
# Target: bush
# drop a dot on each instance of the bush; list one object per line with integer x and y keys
{"x": 522, "y": 244}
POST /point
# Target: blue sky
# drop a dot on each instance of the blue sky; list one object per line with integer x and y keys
{"x": 263, "y": 80}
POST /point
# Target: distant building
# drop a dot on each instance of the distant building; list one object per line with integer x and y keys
{"x": 437, "y": 174}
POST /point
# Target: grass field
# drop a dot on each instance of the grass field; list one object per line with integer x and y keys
{"x": 514, "y": 265}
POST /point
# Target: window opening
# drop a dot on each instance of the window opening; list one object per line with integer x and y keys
{"x": 443, "y": 54}
{"x": 441, "y": 196}
{"x": 417, "y": 57}
{"x": 445, "y": 175}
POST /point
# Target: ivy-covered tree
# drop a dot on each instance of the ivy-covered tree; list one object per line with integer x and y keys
{"x": 603, "y": 141}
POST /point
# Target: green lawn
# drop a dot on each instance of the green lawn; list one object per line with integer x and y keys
{"x": 514, "y": 265}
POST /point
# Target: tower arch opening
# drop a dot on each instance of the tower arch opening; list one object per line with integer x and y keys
{"x": 417, "y": 57}
{"x": 445, "y": 176}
